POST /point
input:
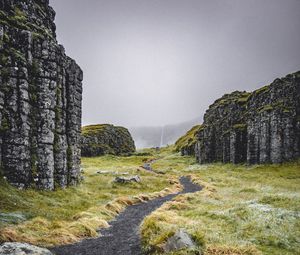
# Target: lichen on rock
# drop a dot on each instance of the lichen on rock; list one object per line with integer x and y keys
{"x": 258, "y": 127}
{"x": 40, "y": 99}
{"x": 102, "y": 139}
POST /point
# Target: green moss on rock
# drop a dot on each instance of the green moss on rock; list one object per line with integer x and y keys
{"x": 186, "y": 143}
{"x": 104, "y": 139}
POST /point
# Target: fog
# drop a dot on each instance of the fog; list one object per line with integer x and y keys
{"x": 158, "y": 62}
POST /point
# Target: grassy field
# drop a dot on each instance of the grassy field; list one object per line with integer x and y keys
{"x": 66, "y": 216}
{"x": 241, "y": 210}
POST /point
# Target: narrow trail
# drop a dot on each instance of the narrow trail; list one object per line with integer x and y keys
{"x": 122, "y": 237}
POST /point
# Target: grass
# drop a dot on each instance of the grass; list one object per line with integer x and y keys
{"x": 241, "y": 210}
{"x": 189, "y": 139}
{"x": 66, "y": 216}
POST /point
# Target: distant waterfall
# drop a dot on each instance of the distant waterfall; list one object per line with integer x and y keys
{"x": 162, "y": 137}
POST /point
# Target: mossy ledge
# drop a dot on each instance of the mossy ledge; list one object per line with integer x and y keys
{"x": 102, "y": 139}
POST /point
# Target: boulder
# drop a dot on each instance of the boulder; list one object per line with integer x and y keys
{"x": 103, "y": 139}
{"x": 122, "y": 179}
{"x": 180, "y": 240}
{"x": 22, "y": 249}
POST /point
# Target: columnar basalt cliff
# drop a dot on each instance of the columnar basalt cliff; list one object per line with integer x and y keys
{"x": 101, "y": 139}
{"x": 258, "y": 127}
{"x": 186, "y": 144}
{"x": 40, "y": 99}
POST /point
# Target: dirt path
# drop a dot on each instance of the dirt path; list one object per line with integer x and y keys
{"x": 122, "y": 238}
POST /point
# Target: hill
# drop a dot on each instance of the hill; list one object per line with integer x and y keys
{"x": 104, "y": 139}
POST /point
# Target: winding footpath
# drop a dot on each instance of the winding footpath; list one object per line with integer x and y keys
{"x": 122, "y": 237}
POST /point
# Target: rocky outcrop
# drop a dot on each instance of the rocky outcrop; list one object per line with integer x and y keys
{"x": 186, "y": 144}
{"x": 40, "y": 99}
{"x": 258, "y": 127}
{"x": 98, "y": 140}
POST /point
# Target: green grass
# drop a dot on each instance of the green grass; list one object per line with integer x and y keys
{"x": 65, "y": 216}
{"x": 242, "y": 209}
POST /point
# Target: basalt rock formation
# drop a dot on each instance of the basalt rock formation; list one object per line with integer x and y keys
{"x": 258, "y": 127}
{"x": 40, "y": 99}
{"x": 98, "y": 140}
{"x": 186, "y": 144}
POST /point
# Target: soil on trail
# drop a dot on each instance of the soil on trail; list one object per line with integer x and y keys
{"x": 122, "y": 237}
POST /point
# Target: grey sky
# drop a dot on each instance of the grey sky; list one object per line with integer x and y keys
{"x": 155, "y": 62}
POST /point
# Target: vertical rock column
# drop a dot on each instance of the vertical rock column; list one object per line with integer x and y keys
{"x": 74, "y": 96}
{"x": 40, "y": 99}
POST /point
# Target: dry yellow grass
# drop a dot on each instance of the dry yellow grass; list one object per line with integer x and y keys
{"x": 241, "y": 209}
{"x": 76, "y": 213}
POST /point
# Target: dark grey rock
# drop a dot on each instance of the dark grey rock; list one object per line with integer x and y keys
{"x": 40, "y": 99}
{"x": 258, "y": 127}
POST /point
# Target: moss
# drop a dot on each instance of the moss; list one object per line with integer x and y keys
{"x": 94, "y": 129}
{"x": 239, "y": 97}
{"x": 37, "y": 36}
{"x": 189, "y": 139}
{"x": 69, "y": 157}
{"x": 20, "y": 21}
{"x": 17, "y": 20}
{"x": 34, "y": 68}
{"x": 20, "y": 16}
{"x": 110, "y": 140}
{"x": 262, "y": 90}
{"x": 34, "y": 161}
{"x": 3, "y": 59}
{"x": 266, "y": 108}
{"x": 17, "y": 55}
{"x": 240, "y": 126}
{"x": 244, "y": 98}
{"x": 5, "y": 74}
{"x": 4, "y": 125}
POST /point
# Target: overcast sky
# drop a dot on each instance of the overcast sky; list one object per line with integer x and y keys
{"x": 156, "y": 62}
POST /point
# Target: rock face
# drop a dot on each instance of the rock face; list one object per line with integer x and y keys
{"x": 40, "y": 99}
{"x": 98, "y": 140}
{"x": 22, "y": 249}
{"x": 258, "y": 127}
{"x": 186, "y": 144}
